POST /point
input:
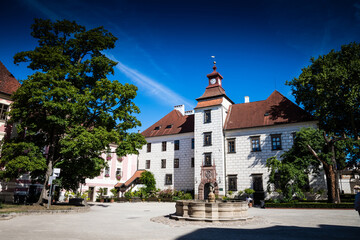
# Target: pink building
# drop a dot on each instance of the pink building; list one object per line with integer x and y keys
{"x": 119, "y": 171}
{"x": 8, "y": 85}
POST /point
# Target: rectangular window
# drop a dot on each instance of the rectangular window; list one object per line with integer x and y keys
{"x": 168, "y": 179}
{"x": 176, "y": 163}
{"x": 207, "y": 159}
{"x": 118, "y": 172}
{"x": 276, "y": 142}
{"x": 207, "y": 139}
{"x": 3, "y": 109}
{"x": 192, "y": 143}
{"x": 163, "y": 163}
{"x": 207, "y": 116}
{"x": 148, "y": 147}
{"x": 192, "y": 162}
{"x": 231, "y": 145}
{"x": 163, "y": 146}
{"x": 255, "y": 144}
{"x": 107, "y": 172}
{"x": 232, "y": 180}
{"x": 147, "y": 164}
{"x": 176, "y": 144}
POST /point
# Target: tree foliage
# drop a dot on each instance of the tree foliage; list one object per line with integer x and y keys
{"x": 291, "y": 174}
{"x": 148, "y": 179}
{"x": 68, "y": 109}
{"x": 329, "y": 89}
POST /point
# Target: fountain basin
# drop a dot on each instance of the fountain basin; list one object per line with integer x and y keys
{"x": 210, "y": 212}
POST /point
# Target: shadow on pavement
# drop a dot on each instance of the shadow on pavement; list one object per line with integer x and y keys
{"x": 277, "y": 232}
{"x": 98, "y": 205}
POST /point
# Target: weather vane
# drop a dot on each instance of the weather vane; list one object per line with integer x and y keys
{"x": 213, "y": 57}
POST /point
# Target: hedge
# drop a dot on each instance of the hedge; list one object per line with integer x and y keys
{"x": 309, "y": 205}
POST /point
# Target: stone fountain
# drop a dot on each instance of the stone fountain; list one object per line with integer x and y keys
{"x": 210, "y": 210}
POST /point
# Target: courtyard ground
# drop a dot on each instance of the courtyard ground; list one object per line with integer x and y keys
{"x": 148, "y": 221}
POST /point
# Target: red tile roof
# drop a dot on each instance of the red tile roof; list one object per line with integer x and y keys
{"x": 8, "y": 83}
{"x": 179, "y": 124}
{"x": 276, "y": 109}
{"x": 136, "y": 175}
{"x": 209, "y": 103}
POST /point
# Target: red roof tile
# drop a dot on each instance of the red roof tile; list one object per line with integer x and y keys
{"x": 136, "y": 175}
{"x": 179, "y": 124}
{"x": 8, "y": 83}
{"x": 209, "y": 103}
{"x": 276, "y": 109}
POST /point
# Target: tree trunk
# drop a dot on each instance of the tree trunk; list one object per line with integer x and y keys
{"x": 47, "y": 175}
{"x": 331, "y": 183}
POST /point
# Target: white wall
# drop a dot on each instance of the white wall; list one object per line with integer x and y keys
{"x": 244, "y": 162}
{"x": 182, "y": 177}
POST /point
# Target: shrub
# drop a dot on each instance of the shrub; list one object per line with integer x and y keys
{"x": 295, "y": 204}
{"x": 249, "y": 191}
{"x": 167, "y": 193}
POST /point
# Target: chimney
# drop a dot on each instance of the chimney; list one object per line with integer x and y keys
{"x": 180, "y": 108}
{"x": 190, "y": 112}
{"x": 247, "y": 99}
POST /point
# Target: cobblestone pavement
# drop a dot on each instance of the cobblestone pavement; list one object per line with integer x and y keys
{"x": 150, "y": 221}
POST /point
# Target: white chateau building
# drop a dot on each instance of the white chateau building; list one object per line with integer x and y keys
{"x": 221, "y": 142}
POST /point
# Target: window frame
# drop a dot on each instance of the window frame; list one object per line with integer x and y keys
{"x": 207, "y": 142}
{"x": 207, "y": 116}
{"x": 176, "y": 145}
{"x": 147, "y": 164}
{"x": 252, "y": 139}
{"x": 231, "y": 141}
{"x": 163, "y": 146}
{"x": 208, "y": 154}
{"x": 167, "y": 178}
{"x": 163, "y": 163}
{"x": 278, "y": 146}
{"x": 148, "y": 147}
{"x": 4, "y": 108}
{"x": 176, "y": 163}
{"x": 192, "y": 164}
{"x": 193, "y": 143}
{"x": 232, "y": 178}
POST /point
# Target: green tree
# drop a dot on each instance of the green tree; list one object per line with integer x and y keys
{"x": 68, "y": 112}
{"x": 329, "y": 89}
{"x": 148, "y": 179}
{"x": 291, "y": 173}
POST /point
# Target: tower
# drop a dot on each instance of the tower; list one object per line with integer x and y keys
{"x": 210, "y": 115}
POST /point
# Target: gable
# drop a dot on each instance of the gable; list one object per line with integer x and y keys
{"x": 8, "y": 83}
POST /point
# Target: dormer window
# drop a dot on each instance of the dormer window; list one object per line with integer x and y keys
{"x": 157, "y": 128}
{"x": 169, "y": 126}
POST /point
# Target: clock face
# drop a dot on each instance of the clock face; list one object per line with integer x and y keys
{"x": 213, "y": 81}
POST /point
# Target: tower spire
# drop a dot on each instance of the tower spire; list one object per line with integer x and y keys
{"x": 214, "y": 67}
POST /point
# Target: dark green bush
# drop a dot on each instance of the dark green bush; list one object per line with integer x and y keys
{"x": 309, "y": 205}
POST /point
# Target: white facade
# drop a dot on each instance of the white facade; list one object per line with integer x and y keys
{"x": 229, "y": 156}
{"x": 182, "y": 177}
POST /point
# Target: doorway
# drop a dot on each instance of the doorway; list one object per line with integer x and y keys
{"x": 206, "y": 191}
{"x": 91, "y": 194}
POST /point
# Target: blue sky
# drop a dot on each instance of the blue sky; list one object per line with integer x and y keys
{"x": 165, "y": 47}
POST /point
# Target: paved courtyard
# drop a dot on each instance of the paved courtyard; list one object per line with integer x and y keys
{"x": 147, "y": 221}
